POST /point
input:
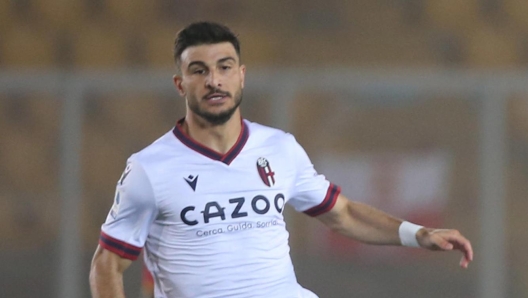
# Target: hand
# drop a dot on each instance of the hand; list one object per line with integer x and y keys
{"x": 443, "y": 239}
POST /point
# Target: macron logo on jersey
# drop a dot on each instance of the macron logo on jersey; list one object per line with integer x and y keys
{"x": 191, "y": 180}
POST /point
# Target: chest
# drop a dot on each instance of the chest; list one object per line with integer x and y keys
{"x": 196, "y": 191}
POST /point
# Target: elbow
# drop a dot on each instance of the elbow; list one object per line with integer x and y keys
{"x": 340, "y": 228}
{"x": 337, "y": 224}
{"x": 341, "y": 222}
{"x": 334, "y": 225}
{"x": 339, "y": 218}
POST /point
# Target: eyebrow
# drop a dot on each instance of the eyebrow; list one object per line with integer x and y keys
{"x": 201, "y": 63}
{"x": 226, "y": 59}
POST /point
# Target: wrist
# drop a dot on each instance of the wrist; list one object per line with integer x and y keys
{"x": 408, "y": 232}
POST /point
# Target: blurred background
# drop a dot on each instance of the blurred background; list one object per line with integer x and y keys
{"x": 416, "y": 107}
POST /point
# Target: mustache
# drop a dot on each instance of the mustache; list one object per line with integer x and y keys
{"x": 217, "y": 91}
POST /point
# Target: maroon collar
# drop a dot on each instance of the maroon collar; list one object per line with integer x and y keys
{"x": 212, "y": 154}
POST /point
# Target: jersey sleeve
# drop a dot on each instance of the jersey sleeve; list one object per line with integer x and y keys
{"x": 312, "y": 193}
{"x": 127, "y": 224}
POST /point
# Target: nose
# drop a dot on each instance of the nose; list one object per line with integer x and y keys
{"x": 213, "y": 80}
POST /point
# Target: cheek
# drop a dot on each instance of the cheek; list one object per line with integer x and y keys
{"x": 189, "y": 87}
{"x": 236, "y": 81}
{"x": 194, "y": 92}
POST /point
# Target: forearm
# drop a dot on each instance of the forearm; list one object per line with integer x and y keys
{"x": 366, "y": 224}
{"x": 370, "y": 225}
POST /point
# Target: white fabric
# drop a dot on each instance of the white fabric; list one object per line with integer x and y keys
{"x": 407, "y": 232}
{"x": 226, "y": 238}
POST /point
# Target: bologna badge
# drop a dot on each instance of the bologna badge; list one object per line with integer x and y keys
{"x": 265, "y": 172}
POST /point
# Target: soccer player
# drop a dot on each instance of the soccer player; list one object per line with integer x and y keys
{"x": 205, "y": 201}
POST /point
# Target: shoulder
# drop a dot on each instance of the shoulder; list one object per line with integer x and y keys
{"x": 153, "y": 158}
{"x": 157, "y": 151}
{"x": 269, "y": 134}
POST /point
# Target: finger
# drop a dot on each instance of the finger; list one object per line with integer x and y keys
{"x": 442, "y": 239}
{"x": 447, "y": 246}
{"x": 462, "y": 244}
{"x": 464, "y": 263}
{"x": 444, "y": 244}
{"x": 468, "y": 254}
{"x": 468, "y": 250}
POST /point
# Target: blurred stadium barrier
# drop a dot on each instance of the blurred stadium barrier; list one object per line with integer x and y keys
{"x": 66, "y": 137}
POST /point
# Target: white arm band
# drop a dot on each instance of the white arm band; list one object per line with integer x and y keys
{"x": 407, "y": 233}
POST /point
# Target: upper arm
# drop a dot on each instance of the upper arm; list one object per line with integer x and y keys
{"x": 128, "y": 223}
{"x": 106, "y": 260}
{"x": 124, "y": 232}
{"x": 311, "y": 192}
{"x": 338, "y": 214}
{"x": 106, "y": 274}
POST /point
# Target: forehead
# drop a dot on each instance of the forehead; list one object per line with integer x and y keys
{"x": 208, "y": 53}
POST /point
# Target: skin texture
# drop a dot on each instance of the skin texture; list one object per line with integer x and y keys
{"x": 208, "y": 70}
{"x": 369, "y": 225}
{"x": 214, "y": 70}
{"x": 106, "y": 274}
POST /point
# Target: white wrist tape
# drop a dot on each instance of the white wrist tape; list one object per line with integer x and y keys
{"x": 408, "y": 232}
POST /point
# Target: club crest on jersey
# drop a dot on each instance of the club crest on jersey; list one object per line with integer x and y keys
{"x": 266, "y": 173}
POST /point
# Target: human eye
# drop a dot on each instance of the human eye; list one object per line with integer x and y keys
{"x": 198, "y": 71}
{"x": 225, "y": 67}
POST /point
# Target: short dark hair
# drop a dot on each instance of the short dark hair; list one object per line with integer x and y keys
{"x": 200, "y": 33}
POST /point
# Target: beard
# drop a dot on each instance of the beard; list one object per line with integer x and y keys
{"x": 216, "y": 118}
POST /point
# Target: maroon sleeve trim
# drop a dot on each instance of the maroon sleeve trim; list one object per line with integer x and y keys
{"x": 328, "y": 203}
{"x": 119, "y": 247}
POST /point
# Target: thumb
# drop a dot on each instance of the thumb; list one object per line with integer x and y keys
{"x": 443, "y": 244}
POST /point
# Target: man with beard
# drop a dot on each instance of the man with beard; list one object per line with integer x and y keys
{"x": 206, "y": 200}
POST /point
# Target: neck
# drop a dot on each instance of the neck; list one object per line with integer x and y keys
{"x": 220, "y": 138}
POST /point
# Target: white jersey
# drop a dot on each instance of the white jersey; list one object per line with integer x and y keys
{"x": 212, "y": 224}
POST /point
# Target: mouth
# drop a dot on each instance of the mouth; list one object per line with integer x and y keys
{"x": 216, "y": 96}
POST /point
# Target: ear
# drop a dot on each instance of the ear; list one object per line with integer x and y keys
{"x": 177, "y": 79}
{"x": 242, "y": 75}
